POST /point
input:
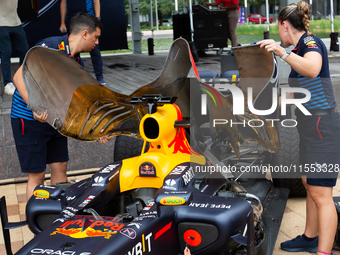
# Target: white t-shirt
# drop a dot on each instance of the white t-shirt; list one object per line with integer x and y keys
{"x": 8, "y": 13}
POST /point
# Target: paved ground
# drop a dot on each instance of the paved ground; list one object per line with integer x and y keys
{"x": 16, "y": 203}
{"x": 123, "y": 73}
{"x": 292, "y": 223}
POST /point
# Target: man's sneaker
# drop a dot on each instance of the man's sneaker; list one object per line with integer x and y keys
{"x": 299, "y": 243}
{"x": 9, "y": 88}
{"x": 100, "y": 79}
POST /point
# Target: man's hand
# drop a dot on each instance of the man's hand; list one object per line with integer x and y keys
{"x": 104, "y": 139}
{"x": 42, "y": 117}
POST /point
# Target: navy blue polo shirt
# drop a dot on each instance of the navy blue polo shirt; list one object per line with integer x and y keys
{"x": 321, "y": 88}
{"x": 19, "y": 106}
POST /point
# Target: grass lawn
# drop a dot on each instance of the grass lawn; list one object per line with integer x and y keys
{"x": 159, "y": 44}
{"x": 246, "y": 34}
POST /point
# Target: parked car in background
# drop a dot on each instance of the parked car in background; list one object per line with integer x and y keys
{"x": 166, "y": 22}
{"x": 257, "y": 18}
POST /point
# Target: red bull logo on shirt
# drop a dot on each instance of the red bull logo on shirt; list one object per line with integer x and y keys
{"x": 61, "y": 46}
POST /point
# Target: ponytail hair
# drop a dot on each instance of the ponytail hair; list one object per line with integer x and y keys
{"x": 298, "y": 16}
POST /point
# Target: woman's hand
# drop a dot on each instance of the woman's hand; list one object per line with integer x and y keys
{"x": 271, "y": 46}
{"x": 42, "y": 117}
{"x": 308, "y": 66}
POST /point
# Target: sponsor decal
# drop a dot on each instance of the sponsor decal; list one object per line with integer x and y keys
{"x": 109, "y": 168}
{"x": 312, "y": 45}
{"x": 178, "y": 170}
{"x": 86, "y": 201}
{"x": 96, "y": 228}
{"x": 168, "y": 187}
{"x": 129, "y": 232}
{"x": 98, "y": 181}
{"x": 147, "y": 170}
{"x": 61, "y": 220}
{"x": 67, "y": 214}
{"x": 71, "y": 209}
{"x": 188, "y": 176}
{"x": 212, "y": 206}
{"x": 145, "y": 215}
{"x": 45, "y": 186}
{"x": 170, "y": 182}
{"x": 41, "y": 193}
{"x": 148, "y": 213}
{"x": 163, "y": 230}
{"x": 57, "y": 252}
{"x": 141, "y": 247}
{"x": 44, "y": 45}
{"x": 70, "y": 198}
{"x": 172, "y": 201}
{"x": 151, "y": 203}
{"x": 176, "y": 192}
{"x": 137, "y": 225}
{"x": 61, "y": 46}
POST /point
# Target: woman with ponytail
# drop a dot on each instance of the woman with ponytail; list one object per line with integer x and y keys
{"x": 319, "y": 132}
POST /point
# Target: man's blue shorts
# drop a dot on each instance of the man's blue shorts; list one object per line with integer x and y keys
{"x": 38, "y": 144}
{"x": 320, "y": 148}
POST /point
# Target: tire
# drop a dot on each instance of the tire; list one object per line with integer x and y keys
{"x": 127, "y": 147}
{"x": 288, "y": 155}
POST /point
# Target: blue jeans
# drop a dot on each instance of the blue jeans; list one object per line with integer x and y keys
{"x": 11, "y": 37}
{"x": 97, "y": 61}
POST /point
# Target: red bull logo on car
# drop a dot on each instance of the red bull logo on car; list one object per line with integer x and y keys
{"x": 96, "y": 228}
{"x": 147, "y": 170}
